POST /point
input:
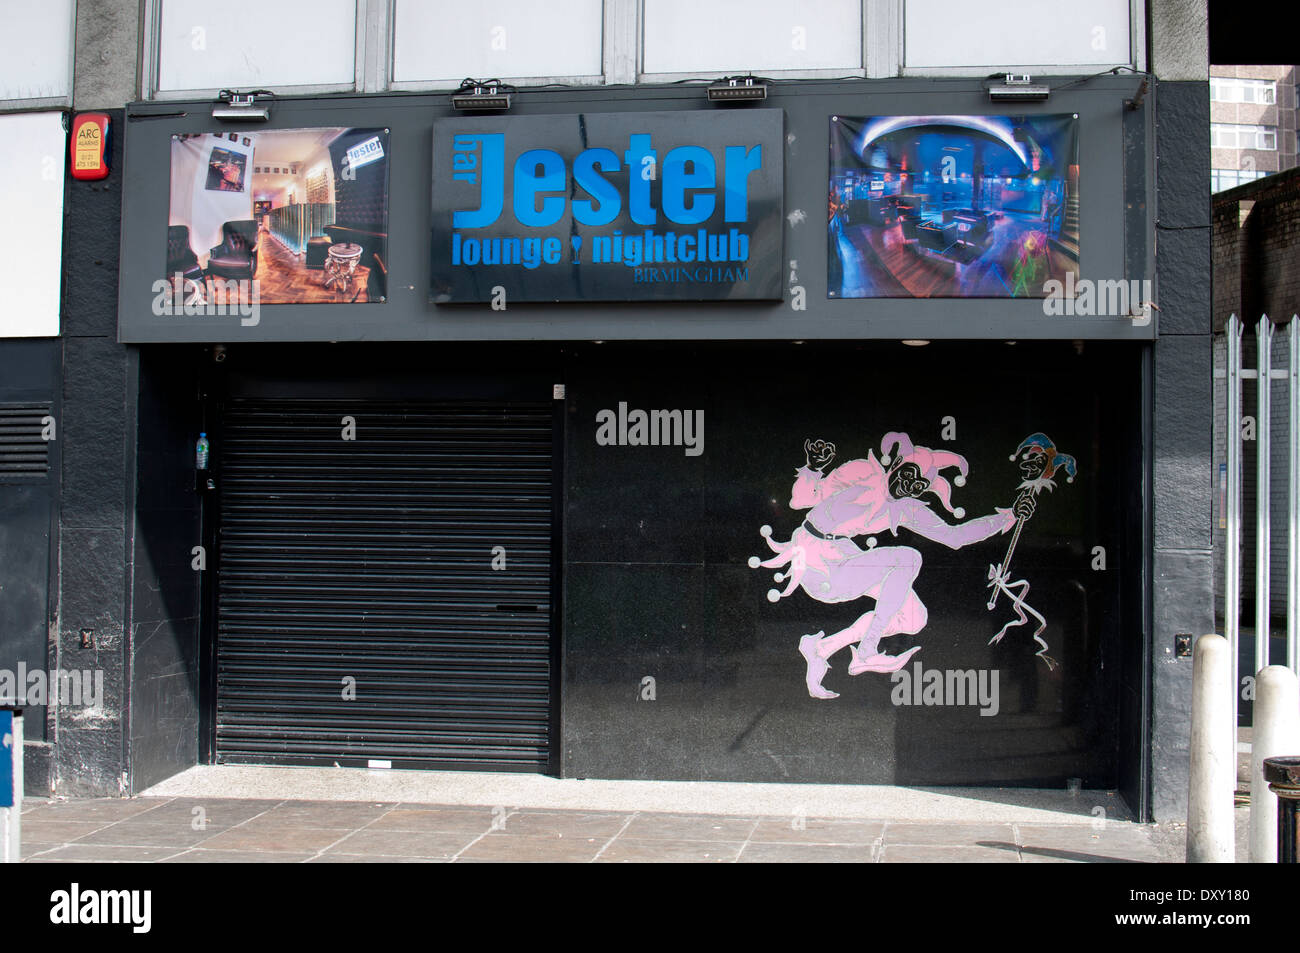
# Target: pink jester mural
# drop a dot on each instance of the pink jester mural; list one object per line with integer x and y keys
{"x": 867, "y": 498}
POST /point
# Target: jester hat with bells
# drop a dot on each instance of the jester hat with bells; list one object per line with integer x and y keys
{"x": 930, "y": 463}
{"x": 1055, "y": 459}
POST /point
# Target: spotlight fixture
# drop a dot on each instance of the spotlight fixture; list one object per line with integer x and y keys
{"x": 482, "y": 95}
{"x": 737, "y": 89}
{"x": 234, "y": 105}
{"x": 1018, "y": 89}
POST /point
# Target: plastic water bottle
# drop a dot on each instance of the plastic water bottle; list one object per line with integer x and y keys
{"x": 201, "y": 452}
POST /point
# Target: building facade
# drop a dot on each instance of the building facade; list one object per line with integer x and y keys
{"x": 1253, "y": 123}
{"x": 566, "y": 437}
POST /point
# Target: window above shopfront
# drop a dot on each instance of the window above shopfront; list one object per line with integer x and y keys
{"x": 437, "y": 42}
{"x": 687, "y": 36}
{"x": 35, "y": 85}
{"x": 382, "y": 45}
{"x": 36, "y": 55}
{"x": 940, "y": 35}
{"x": 251, "y": 44}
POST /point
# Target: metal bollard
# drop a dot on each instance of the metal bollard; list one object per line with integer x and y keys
{"x": 1283, "y": 777}
{"x": 1213, "y": 771}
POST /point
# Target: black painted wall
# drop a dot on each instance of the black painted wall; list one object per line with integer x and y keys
{"x": 98, "y": 386}
{"x": 657, "y": 581}
{"x": 166, "y": 586}
{"x": 1182, "y": 427}
{"x": 655, "y": 574}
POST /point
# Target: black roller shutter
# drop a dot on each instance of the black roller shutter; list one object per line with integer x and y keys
{"x": 373, "y": 559}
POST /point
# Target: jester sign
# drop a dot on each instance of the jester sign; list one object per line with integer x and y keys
{"x": 872, "y": 496}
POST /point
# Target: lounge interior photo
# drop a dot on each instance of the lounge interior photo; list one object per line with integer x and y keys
{"x": 952, "y": 206}
{"x": 302, "y": 211}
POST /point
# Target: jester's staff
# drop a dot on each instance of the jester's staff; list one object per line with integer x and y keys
{"x": 1039, "y": 460}
{"x": 1001, "y": 568}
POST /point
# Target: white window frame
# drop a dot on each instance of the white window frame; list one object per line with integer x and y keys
{"x": 870, "y": 11}
{"x": 1137, "y": 57}
{"x": 1238, "y": 130}
{"x": 1240, "y": 85}
{"x": 610, "y": 25}
{"x": 45, "y": 103}
{"x": 1218, "y": 178}
{"x": 368, "y": 11}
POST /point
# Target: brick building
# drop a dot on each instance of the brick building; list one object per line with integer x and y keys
{"x": 1256, "y": 228}
{"x": 1252, "y": 123}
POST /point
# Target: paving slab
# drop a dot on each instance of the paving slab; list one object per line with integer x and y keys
{"x": 665, "y": 850}
{"x": 753, "y": 853}
{"x": 103, "y": 853}
{"x": 285, "y": 839}
{"x": 238, "y": 857}
{"x": 933, "y": 854}
{"x": 532, "y": 848}
{"x": 562, "y": 824}
{"x": 950, "y": 835}
{"x": 688, "y": 827}
{"x": 424, "y": 818}
{"x": 437, "y": 845}
{"x": 816, "y": 830}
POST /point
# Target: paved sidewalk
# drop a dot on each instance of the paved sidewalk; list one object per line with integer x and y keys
{"x": 225, "y": 830}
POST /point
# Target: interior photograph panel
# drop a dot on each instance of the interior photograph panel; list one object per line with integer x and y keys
{"x": 304, "y": 212}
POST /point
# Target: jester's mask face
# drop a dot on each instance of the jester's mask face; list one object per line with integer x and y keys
{"x": 1033, "y": 463}
{"x": 906, "y": 481}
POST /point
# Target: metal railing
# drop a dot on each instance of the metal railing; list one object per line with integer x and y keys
{"x": 1264, "y": 374}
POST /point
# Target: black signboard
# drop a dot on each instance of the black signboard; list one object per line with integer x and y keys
{"x": 608, "y": 207}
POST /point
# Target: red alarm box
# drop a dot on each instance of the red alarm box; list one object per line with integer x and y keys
{"x": 89, "y": 146}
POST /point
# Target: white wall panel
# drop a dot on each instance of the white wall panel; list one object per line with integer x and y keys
{"x": 33, "y": 159}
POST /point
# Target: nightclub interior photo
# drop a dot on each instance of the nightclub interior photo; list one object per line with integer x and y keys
{"x": 952, "y": 206}
{"x": 303, "y": 211}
